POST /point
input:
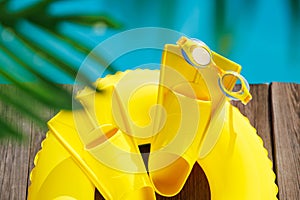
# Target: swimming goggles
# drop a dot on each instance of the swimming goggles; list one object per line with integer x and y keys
{"x": 198, "y": 54}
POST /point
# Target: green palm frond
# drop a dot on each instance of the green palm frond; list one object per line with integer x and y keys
{"x": 16, "y": 61}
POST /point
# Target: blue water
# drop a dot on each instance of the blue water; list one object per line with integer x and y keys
{"x": 262, "y": 38}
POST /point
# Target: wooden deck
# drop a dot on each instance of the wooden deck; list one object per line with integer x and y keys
{"x": 274, "y": 112}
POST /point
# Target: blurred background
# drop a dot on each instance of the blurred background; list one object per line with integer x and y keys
{"x": 45, "y": 41}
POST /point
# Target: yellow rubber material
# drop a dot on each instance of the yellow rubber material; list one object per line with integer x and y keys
{"x": 191, "y": 107}
{"x": 238, "y": 166}
{"x": 56, "y": 175}
{"x": 176, "y": 111}
{"x": 65, "y": 169}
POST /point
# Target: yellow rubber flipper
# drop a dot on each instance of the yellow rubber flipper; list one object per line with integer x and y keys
{"x": 106, "y": 156}
{"x": 72, "y": 157}
{"x": 191, "y": 99}
{"x": 176, "y": 148}
{"x": 238, "y": 166}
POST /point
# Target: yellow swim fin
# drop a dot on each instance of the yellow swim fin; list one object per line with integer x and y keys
{"x": 192, "y": 99}
{"x": 84, "y": 150}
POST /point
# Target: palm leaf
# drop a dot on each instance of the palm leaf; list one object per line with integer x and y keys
{"x": 60, "y": 53}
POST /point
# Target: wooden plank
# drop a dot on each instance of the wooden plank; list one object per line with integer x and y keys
{"x": 17, "y": 158}
{"x": 258, "y": 113}
{"x": 14, "y": 157}
{"x": 14, "y": 172}
{"x": 286, "y": 130}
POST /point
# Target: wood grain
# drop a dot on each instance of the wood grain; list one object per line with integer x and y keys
{"x": 286, "y": 130}
{"x": 14, "y": 156}
{"x": 258, "y": 113}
